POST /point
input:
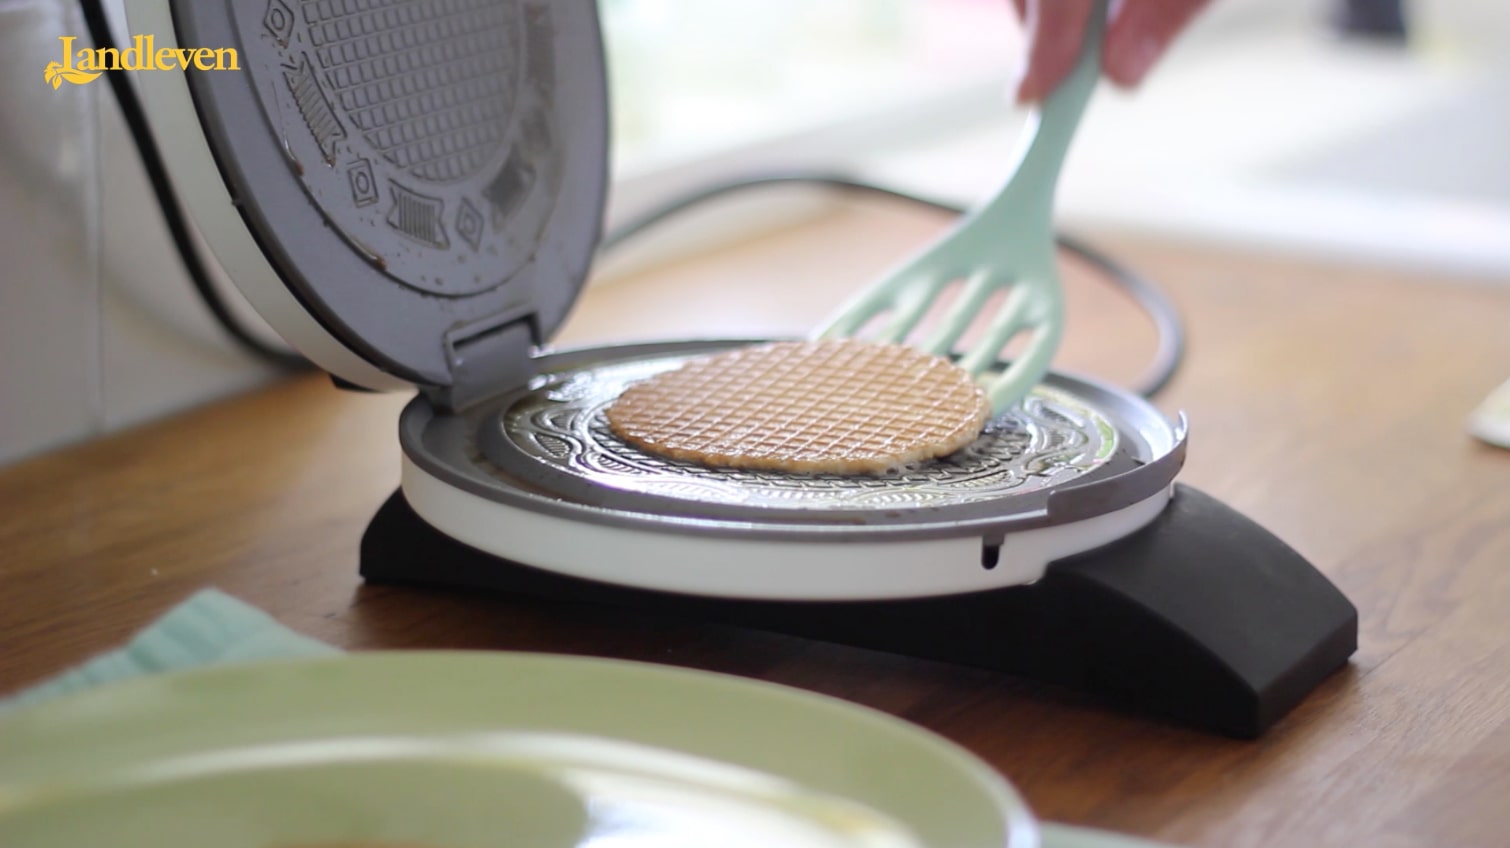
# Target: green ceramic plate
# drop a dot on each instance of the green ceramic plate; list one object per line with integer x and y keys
{"x": 452, "y": 750}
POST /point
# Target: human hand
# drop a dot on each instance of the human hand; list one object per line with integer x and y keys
{"x": 1137, "y": 34}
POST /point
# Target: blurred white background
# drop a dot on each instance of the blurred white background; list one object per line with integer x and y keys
{"x": 1261, "y": 129}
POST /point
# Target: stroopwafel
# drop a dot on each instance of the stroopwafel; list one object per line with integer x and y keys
{"x": 837, "y": 406}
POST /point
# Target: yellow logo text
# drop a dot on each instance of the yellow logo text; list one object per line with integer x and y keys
{"x": 85, "y": 64}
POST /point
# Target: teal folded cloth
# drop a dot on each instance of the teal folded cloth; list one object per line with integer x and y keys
{"x": 210, "y": 628}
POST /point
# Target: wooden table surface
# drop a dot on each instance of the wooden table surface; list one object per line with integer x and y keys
{"x": 1326, "y": 403}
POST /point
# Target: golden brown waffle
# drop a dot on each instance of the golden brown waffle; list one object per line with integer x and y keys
{"x": 839, "y": 406}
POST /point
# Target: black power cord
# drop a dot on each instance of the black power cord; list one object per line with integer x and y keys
{"x": 1166, "y": 318}
{"x": 162, "y": 187}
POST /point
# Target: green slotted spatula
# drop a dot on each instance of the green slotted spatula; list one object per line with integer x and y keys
{"x": 1006, "y": 244}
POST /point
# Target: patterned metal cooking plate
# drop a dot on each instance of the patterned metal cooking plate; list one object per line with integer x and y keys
{"x": 555, "y": 435}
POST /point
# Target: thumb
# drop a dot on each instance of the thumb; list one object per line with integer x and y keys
{"x": 1056, "y": 29}
{"x": 1140, "y": 33}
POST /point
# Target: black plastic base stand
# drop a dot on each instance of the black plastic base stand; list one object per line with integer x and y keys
{"x": 1203, "y": 616}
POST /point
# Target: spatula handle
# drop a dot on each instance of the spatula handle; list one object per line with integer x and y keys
{"x": 1052, "y": 126}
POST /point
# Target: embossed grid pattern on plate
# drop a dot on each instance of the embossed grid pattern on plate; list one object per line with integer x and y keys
{"x": 427, "y": 82}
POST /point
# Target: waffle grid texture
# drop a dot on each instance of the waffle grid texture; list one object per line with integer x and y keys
{"x": 427, "y": 82}
{"x": 833, "y": 406}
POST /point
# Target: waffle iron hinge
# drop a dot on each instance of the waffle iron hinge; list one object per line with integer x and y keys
{"x": 487, "y": 357}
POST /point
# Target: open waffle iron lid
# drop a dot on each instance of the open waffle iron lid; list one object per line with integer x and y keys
{"x": 426, "y": 178}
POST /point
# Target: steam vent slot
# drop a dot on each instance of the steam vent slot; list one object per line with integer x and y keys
{"x": 990, "y": 555}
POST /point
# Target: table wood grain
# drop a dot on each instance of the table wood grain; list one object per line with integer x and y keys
{"x": 1326, "y": 402}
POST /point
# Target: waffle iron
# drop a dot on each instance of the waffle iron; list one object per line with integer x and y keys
{"x": 411, "y": 191}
